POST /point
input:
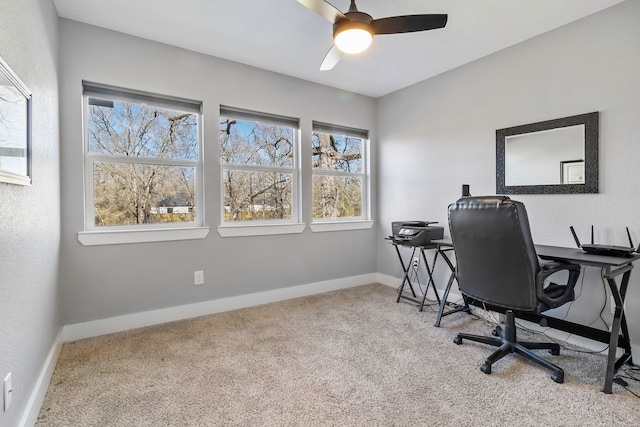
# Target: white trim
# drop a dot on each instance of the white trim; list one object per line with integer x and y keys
{"x": 557, "y": 334}
{"x": 10, "y": 178}
{"x": 94, "y": 328}
{"x": 385, "y": 279}
{"x": 96, "y": 90}
{"x": 364, "y": 174}
{"x": 117, "y": 237}
{"x": 570, "y": 338}
{"x": 294, "y": 170}
{"x": 395, "y": 282}
{"x": 121, "y": 323}
{"x": 259, "y": 230}
{"x": 553, "y": 333}
{"x": 14, "y": 79}
{"x": 31, "y": 411}
{"x": 319, "y": 227}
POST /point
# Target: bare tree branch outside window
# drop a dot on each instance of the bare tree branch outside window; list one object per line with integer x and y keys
{"x": 144, "y": 171}
{"x": 337, "y": 176}
{"x": 257, "y": 173}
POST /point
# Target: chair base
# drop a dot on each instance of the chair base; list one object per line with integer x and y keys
{"x": 507, "y": 343}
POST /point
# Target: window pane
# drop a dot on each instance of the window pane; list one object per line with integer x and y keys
{"x": 126, "y": 194}
{"x": 252, "y": 143}
{"x": 336, "y": 153}
{"x": 337, "y": 197}
{"x": 133, "y": 130}
{"x": 252, "y": 195}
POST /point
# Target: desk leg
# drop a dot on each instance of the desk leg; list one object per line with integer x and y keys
{"x": 430, "y": 282}
{"x": 406, "y": 274}
{"x": 443, "y": 303}
{"x": 619, "y": 325}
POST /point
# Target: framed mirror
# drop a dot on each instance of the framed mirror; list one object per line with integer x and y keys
{"x": 15, "y": 128}
{"x": 557, "y": 156}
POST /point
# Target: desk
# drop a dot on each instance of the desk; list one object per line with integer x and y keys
{"x": 407, "y": 268}
{"x": 613, "y": 267}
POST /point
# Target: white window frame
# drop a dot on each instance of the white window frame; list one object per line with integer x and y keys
{"x": 291, "y": 225}
{"x": 136, "y": 233}
{"x": 350, "y": 223}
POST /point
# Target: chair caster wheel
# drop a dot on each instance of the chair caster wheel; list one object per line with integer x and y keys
{"x": 555, "y": 351}
{"x": 486, "y": 368}
{"x": 559, "y": 378}
{"x": 457, "y": 340}
{"x": 495, "y": 333}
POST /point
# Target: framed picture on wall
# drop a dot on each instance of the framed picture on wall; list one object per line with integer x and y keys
{"x": 15, "y": 128}
{"x": 572, "y": 171}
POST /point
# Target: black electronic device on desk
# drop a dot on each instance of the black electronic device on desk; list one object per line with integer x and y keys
{"x": 415, "y": 233}
{"x": 609, "y": 250}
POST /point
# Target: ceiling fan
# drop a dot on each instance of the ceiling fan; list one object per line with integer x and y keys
{"x": 353, "y": 31}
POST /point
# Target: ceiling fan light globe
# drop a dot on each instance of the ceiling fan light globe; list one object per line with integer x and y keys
{"x": 353, "y": 40}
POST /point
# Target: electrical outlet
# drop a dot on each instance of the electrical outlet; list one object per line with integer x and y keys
{"x": 8, "y": 390}
{"x": 416, "y": 262}
{"x": 198, "y": 277}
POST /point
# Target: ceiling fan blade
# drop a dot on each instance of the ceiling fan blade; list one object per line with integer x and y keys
{"x": 408, "y": 23}
{"x": 323, "y": 9}
{"x": 331, "y": 58}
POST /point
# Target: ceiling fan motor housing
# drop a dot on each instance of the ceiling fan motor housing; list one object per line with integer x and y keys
{"x": 355, "y": 20}
{"x": 353, "y": 31}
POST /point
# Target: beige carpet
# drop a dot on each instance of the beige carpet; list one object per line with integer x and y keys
{"x": 348, "y": 358}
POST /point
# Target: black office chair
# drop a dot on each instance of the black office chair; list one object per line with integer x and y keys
{"x": 497, "y": 265}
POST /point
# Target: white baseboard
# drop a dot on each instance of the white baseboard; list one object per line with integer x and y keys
{"x": 553, "y": 333}
{"x": 573, "y": 339}
{"x": 395, "y": 282}
{"x": 30, "y": 414}
{"x": 94, "y": 328}
{"x": 121, "y": 323}
{"x": 387, "y": 280}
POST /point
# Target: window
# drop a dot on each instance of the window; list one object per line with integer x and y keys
{"x": 340, "y": 185}
{"x": 259, "y": 167}
{"x": 142, "y": 161}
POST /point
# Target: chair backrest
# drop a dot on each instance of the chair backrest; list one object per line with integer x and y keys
{"x": 496, "y": 258}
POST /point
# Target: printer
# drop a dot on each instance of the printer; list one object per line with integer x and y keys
{"x": 415, "y": 233}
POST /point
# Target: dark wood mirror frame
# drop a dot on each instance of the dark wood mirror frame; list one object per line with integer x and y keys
{"x": 590, "y": 122}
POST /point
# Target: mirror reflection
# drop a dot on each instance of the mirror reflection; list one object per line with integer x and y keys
{"x": 557, "y": 156}
{"x": 539, "y": 158}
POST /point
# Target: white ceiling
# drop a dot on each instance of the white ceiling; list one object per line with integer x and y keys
{"x": 285, "y": 37}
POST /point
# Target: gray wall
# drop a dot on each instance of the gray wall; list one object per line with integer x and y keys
{"x": 443, "y": 132}
{"x": 105, "y": 281}
{"x": 30, "y": 215}
{"x": 427, "y": 140}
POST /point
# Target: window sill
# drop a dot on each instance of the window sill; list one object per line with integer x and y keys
{"x": 320, "y": 227}
{"x": 259, "y": 230}
{"x": 14, "y": 179}
{"x": 94, "y": 238}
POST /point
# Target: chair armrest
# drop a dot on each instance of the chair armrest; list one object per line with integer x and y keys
{"x": 549, "y": 268}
